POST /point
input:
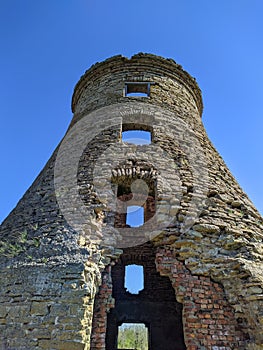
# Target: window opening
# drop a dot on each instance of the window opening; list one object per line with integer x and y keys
{"x": 135, "y": 216}
{"x": 133, "y": 336}
{"x": 134, "y": 278}
{"x": 137, "y": 89}
{"x": 137, "y": 137}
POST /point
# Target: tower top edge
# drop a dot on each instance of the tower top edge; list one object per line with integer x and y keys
{"x": 151, "y": 62}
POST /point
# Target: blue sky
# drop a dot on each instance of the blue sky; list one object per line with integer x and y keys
{"x": 47, "y": 45}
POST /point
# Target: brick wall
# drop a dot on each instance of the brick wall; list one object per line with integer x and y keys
{"x": 103, "y": 303}
{"x": 209, "y": 321}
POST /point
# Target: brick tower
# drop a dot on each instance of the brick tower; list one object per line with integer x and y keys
{"x": 66, "y": 246}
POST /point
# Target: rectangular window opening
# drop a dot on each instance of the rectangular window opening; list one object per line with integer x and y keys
{"x": 137, "y": 89}
{"x": 135, "y": 216}
{"x": 137, "y": 137}
{"x": 134, "y": 278}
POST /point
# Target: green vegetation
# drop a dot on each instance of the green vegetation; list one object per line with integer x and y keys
{"x": 12, "y": 249}
{"x": 133, "y": 336}
{"x": 18, "y": 244}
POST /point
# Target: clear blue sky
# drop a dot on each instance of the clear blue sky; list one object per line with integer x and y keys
{"x": 47, "y": 45}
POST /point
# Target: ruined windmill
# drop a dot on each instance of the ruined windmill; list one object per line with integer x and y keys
{"x": 66, "y": 246}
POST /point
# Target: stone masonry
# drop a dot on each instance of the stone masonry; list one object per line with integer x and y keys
{"x": 65, "y": 246}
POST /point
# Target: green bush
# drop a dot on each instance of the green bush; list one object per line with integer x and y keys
{"x": 133, "y": 336}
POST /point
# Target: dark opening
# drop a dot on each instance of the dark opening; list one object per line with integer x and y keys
{"x": 131, "y": 213}
{"x": 137, "y": 89}
{"x": 155, "y": 306}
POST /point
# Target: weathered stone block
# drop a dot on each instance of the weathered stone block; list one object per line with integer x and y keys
{"x": 39, "y": 308}
{"x": 3, "y": 311}
{"x": 60, "y": 345}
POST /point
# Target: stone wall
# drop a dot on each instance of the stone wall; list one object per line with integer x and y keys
{"x": 172, "y": 88}
{"x": 46, "y": 307}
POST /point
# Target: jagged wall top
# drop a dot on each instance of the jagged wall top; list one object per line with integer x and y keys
{"x": 150, "y": 63}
